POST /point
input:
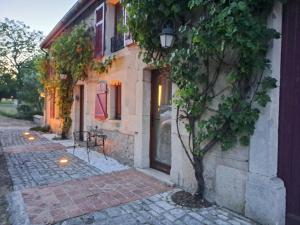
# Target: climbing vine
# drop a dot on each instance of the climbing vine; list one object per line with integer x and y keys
{"x": 70, "y": 57}
{"x": 219, "y": 65}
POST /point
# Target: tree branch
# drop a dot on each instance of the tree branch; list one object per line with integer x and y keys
{"x": 180, "y": 137}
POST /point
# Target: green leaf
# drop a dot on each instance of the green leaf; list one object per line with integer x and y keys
{"x": 245, "y": 140}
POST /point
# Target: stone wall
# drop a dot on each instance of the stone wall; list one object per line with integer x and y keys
{"x": 244, "y": 179}
{"x": 265, "y": 192}
{"x": 120, "y": 146}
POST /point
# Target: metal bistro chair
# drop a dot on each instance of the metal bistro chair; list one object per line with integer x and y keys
{"x": 89, "y": 140}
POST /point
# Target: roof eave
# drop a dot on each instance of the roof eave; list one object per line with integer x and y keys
{"x": 77, "y": 9}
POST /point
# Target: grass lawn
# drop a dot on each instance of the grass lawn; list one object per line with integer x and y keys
{"x": 8, "y": 109}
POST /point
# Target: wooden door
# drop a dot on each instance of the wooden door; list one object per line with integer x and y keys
{"x": 289, "y": 121}
{"x": 160, "y": 131}
{"x": 81, "y": 110}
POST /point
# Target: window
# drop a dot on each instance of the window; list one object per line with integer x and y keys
{"x": 115, "y": 100}
{"x": 118, "y": 18}
{"x": 118, "y": 103}
{"x": 127, "y": 36}
{"x": 99, "y": 30}
{"x": 117, "y": 41}
{"x": 101, "y": 101}
{"x": 52, "y": 104}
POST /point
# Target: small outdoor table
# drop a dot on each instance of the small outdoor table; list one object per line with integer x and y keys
{"x": 99, "y": 138}
{"x": 92, "y": 139}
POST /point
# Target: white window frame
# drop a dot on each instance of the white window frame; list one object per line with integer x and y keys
{"x": 126, "y": 41}
{"x": 102, "y": 5}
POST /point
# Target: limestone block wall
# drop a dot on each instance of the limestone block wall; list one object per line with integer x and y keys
{"x": 243, "y": 179}
{"x": 54, "y": 123}
{"x": 120, "y": 146}
{"x": 265, "y": 192}
{"x": 121, "y": 133}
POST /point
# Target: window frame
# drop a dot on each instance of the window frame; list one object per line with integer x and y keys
{"x": 96, "y": 25}
{"x": 118, "y": 102}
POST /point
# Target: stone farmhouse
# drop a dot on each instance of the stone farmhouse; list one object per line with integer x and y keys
{"x": 132, "y": 104}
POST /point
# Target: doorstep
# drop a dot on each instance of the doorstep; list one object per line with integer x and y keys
{"x": 162, "y": 177}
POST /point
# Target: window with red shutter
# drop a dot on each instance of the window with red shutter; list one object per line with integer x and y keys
{"x": 99, "y": 30}
{"x": 101, "y": 101}
{"x": 118, "y": 101}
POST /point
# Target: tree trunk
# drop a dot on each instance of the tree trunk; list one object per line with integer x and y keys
{"x": 198, "y": 166}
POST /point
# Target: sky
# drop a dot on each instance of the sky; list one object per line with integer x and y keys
{"x": 40, "y": 15}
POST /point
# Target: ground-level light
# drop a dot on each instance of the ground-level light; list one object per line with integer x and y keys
{"x": 63, "y": 161}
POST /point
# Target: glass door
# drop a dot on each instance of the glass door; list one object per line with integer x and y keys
{"x": 161, "y": 113}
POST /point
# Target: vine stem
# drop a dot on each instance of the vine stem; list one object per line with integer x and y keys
{"x": 257, "y": 86}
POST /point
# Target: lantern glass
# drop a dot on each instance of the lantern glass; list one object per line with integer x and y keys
{"x": 63, "y": 76}
{"x": 167, "y": 37}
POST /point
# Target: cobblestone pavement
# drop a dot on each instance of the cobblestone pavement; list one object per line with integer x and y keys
{"x": 17, "y": 137}
{"x": 30, "y": 169}
{"x": 10, "y": 123}
{"x": 5, "y": 188}
{"x": 158, "y": 210}
{"x": 77, "y": 197}
{"x": 34, "y": 148}
{"x": 79, "y": 194}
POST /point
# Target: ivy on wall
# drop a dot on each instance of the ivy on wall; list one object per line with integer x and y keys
{"x": 70, "y": 54}
{"x": 218, "y": 63}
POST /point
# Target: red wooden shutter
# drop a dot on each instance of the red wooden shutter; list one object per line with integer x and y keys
{"x": 101, "y": 101}
{"x": 99, "y": 31}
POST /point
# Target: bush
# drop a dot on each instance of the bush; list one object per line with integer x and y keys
{"x": 44, "y": 129}
{"x": 24, "y": 109}
{"x": 25, "y": 112}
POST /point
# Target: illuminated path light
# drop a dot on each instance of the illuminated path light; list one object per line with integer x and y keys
{"x": 63, "y": 161}
{"x": 31, "y": 138}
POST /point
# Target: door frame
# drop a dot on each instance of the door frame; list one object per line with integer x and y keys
{"x": 81, "y": 108}
{"x": 284, "y": 159}
{"x": 153, "y": 105}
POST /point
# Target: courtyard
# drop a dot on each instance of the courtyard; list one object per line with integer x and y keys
{"x": 36, "y": 188}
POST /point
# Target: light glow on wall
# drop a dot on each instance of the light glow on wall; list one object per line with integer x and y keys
{"x": 159, "y": 94}
{"x": 115, "y": 82}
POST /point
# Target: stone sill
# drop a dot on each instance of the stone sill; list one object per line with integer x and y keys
{"x": 164, "y": 178}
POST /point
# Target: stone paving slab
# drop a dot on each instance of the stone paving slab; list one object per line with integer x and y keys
{"x": 158, "y": 210}
{"x": 47, "y": 205}
{"x": 30, "y": 169}
{"x": 34, "y": 148}
{"x": 5, "y": 188}
{"x": 7, "y": 123}
{"x": 17, "y": 137}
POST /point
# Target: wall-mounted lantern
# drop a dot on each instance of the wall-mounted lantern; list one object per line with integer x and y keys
{"x": 63, "y": 76}
{"x": 167, "y": 36}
